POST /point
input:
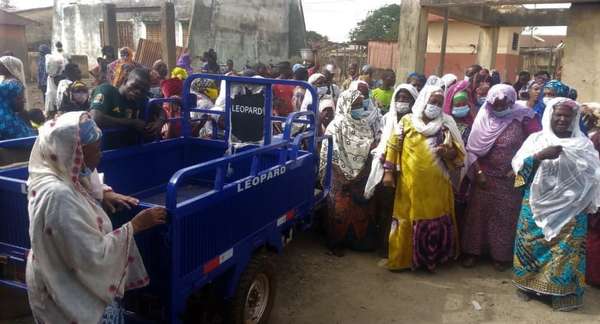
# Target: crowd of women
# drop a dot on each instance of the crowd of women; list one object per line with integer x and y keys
{"x": 428, "y": 171}
{"x": 475, "y": 169}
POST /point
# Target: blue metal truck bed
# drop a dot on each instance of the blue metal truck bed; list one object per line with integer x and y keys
{"x": 224, "y": 205}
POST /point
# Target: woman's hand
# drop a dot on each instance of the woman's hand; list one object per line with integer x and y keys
{"x": 549, "y": 153}
{"x": 113, "y": 202}
{"x": 446, "y": 152}
{"x": 388, "y": 179}
{"x": 148, "y": 218}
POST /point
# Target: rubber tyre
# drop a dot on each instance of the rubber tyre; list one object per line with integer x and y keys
{"x": 260, "y": 265}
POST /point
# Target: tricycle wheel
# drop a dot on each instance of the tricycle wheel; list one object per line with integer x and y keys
{"x": 255, "y": 294}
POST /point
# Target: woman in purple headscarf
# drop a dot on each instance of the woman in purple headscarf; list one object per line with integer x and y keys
{"x": 499, "y": 130}
{"x": 185, "y": 62}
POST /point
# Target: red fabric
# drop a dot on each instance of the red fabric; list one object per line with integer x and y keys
{"x": 282, "y": 99}
{"x": 171, "y": 87}
{"x": 592, "y": 276}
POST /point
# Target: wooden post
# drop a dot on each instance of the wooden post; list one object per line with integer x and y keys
{"x": 487, "y": 47}
{"x": 167, "y": 33}
{"x": 111, "y": 33}
{"x": 443, "y": 45}
{"x": 412, "y": 38}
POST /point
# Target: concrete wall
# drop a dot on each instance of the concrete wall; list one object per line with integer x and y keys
{"x": 244, "y": 31}
{"x": 462, "y": 35}
{"x": 38, "y": 34}
{"x": 12, "y": 38}
{"x": 581, "y": 60}
{"x": 77, "y": 27}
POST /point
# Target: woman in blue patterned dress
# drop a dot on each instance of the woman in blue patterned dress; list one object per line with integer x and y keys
{"x": 558, "y": 169}
{"x": 13, "y": 101}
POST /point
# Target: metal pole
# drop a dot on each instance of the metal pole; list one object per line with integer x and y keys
{"x": 443, "y": 45}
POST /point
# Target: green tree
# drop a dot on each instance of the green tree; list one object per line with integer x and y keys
{"x": 5, "y": 4}
{"x": 314, "y": 38}
{"x": 381, "y": 24}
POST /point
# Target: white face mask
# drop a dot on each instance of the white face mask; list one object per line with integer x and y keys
{"x": 321, "y": 91}
{"x": 433, "y": 111}
{"x": 402, "y": 107}
{"x": 547, "y": 100}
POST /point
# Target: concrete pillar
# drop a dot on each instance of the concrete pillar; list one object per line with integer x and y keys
{"x": 167, "y": 33}
{"x": 412, "y": 39}
{"x": 111, "y": 33}
{"x": 487, "y": 47}
{"x": 581, "y": 60}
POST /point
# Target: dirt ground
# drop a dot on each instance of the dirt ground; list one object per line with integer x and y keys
{"x": 315, "y": 287}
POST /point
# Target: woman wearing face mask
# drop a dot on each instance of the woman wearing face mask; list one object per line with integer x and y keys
{"x": 499, "y": 129}
{"x": 424, "y": 148}
{"x": 78, "y": 265}
{"x": 351, "y": 225}
{"x": 75, "y": 98}
{"x": 370, "y": 112}
{"x": 403, "y": 98}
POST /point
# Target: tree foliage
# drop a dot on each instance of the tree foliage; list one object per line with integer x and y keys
{"x": 5, "y": 4}
{"x": 313, "y": 38}
{"x": 380, "y": 24}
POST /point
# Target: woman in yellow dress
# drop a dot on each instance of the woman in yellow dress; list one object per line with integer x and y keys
{"x": 424, "y": 154}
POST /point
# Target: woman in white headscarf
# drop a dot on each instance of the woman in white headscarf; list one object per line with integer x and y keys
{"x": 425, "y": 148}
{"x": 78, "y": 265}
{"x": 352, "y": 223}
{"x": 13, "y": 100}
{"x": 558, "y": 168}
{"x": 403, "y": 99}
{"x": 370, "y": 112}
{"x": 318, "y": 81}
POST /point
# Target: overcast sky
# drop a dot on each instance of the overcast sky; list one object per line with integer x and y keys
{"x": 332, "y": 18}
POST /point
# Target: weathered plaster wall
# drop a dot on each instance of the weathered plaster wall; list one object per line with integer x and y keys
{"x": 582, "y": 52}
{"x": 246, "y": 31}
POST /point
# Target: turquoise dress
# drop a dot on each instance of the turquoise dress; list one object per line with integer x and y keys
{"x": 555, "y": 268}
{"x": 11, "y": 125}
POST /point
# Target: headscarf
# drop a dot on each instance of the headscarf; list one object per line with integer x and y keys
{"x": 307, "y": 101}
{"x": 98, "y": 263}
{"x": 462, "y": 86}
{"x": 419, "y": 77}
{"x": 487, "y": 127}
{"x": 185, "y": 62}
{"x": 564, "y": 187}
{"x": 15, "y": 67}
{"x": 374, "y": 117}
{"x": 206, "y": 87}
{"x": 434, "y": 80}
{"x": 352, "y": 139}
{"x": 296, "y": 67}
{"x": 390, "y": 122}
{"x": 560, "y": 89}
{"x": 434, "y": 126}
{"x": 179, "y": 73}
{"x": 448, "y": 80}
{"x": 120, "y": 68}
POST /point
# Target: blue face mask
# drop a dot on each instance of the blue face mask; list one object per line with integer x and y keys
{"x": 85, "y": 172}
{"x": 481, "y": 101}
{"x": 366, "y": 104}
{"x": 502, "y": 113}
{"x": 460, "y": 112}
{"x": 357, "y": 113}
